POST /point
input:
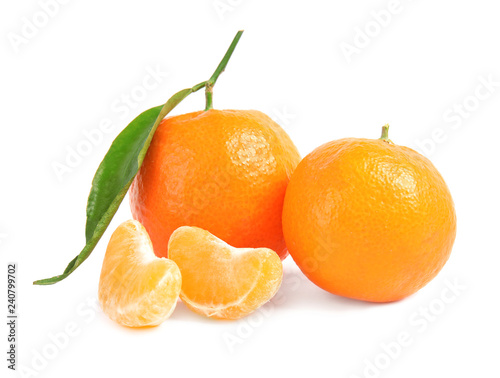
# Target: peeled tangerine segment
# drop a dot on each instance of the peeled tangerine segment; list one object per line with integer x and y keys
{"x": 221, "y": 281}
{"x": 137, "y": 289}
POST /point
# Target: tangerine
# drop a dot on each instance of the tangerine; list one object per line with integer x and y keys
{"x": 225, "y": 171}
{"x": 368, "y": 219}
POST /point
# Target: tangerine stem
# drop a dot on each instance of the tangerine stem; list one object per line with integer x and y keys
{"x": 220, "y": 68}
{"x": 385, "y": 134}
{"x": 208, "y": 96}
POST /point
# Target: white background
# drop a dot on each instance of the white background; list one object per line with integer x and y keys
{"x": 72, "y": 72}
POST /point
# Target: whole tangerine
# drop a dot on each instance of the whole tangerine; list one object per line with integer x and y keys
{"x": 368, "y": 219}
{"x": 225, "y": 171}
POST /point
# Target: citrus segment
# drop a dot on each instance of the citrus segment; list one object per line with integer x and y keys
{"x": 136, "y": 288}
{"x": 221, "y": 281}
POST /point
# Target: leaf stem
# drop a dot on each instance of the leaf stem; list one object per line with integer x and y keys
{"x": 197, "y": 87}
{"x": 220, "y": 68}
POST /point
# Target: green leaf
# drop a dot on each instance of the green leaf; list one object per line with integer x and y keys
{"x": 121, "y": 164}
{"x": 115, "y": 175}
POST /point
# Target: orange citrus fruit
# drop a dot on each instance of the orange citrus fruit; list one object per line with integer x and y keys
{"x": 225, "y": 171}
{"x": 221, "y": 281}
{"x": 368, "y": 219}
{"x": 136, "y": 288}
